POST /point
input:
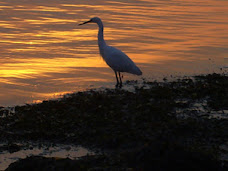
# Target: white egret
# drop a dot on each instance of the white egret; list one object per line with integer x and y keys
{"x": 115, "y": 58}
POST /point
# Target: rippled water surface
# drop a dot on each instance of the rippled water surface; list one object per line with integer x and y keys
{"x": 44, "y": 53}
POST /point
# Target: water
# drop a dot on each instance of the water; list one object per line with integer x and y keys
{"x": 58, "y": 151}
{"x": 44, "y": 53}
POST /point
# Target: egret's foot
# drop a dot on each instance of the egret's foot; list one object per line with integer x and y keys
{"x": 118, "y": 85}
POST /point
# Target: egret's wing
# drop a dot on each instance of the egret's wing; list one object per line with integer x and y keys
{"x": 118, "y": 60}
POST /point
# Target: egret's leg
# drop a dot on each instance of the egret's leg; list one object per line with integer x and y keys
{"x": 120, "y": 80}
{"x": 117, "y": 80}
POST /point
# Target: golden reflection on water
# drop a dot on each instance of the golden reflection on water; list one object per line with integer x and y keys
{"x": 39, "y": 67}
{"x": 44, "y": 53}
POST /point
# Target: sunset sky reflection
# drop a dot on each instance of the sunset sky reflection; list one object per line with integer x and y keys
{"x": 44, "y": 53}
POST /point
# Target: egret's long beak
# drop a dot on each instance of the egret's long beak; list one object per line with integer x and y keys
{"x": 84, "y": 22}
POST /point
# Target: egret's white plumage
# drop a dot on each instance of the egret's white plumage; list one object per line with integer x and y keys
{"x": 115, "y": 58}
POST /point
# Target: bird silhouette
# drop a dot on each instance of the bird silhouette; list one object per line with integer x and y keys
{"x": 114, "y": 57}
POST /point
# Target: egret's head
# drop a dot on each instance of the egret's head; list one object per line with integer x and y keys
{"x": 92, "y": 20}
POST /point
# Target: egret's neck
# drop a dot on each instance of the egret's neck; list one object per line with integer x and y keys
{"x": 101, "y": 41}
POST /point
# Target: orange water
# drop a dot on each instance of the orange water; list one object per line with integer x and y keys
{"x": 44, "y": 53}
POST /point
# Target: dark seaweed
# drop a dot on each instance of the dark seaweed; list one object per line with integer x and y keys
{"x": 141, "y": 130}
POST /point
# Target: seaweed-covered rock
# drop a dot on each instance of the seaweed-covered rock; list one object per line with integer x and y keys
{"x": 165, "y": 115}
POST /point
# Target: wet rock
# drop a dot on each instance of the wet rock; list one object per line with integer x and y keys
{"x": 170, "y": 113}
{"x": 146, "y": 158}
{"x": 11, "y": 147}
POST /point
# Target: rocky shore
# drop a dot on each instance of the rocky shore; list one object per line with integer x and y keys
{"x": 180, "y": 124}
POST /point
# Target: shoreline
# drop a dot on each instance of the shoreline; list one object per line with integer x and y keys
{"x": 178, "y": 120}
